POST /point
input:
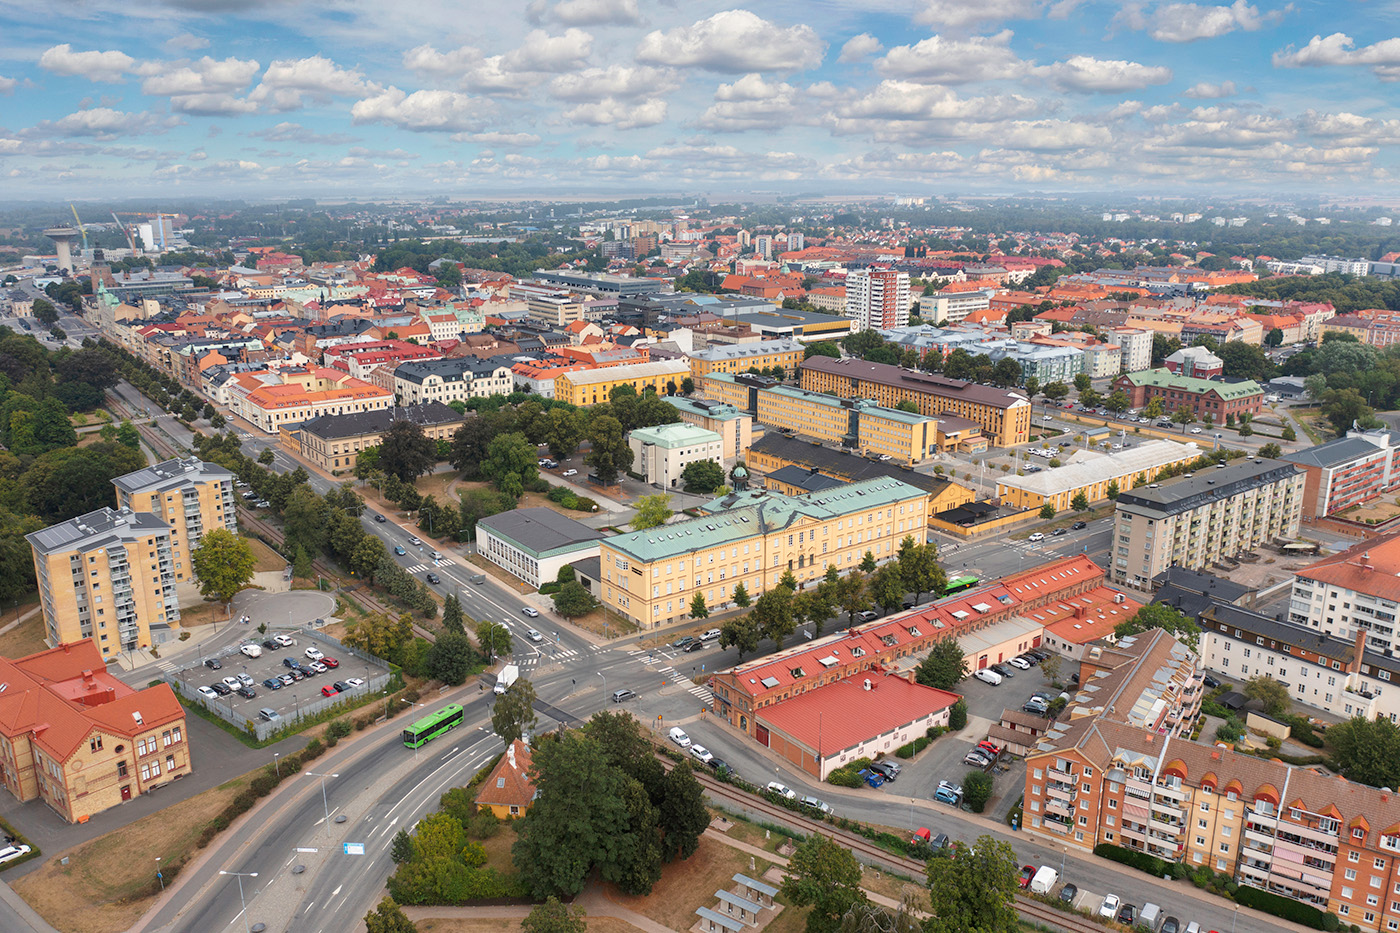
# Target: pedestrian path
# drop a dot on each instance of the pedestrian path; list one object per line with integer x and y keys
{"x": 419, "y": 568}
{"x": 691, "y": 687}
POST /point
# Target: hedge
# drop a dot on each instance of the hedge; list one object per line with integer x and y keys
{"x": 1134, "y": 859}
{"x": 1281, "y": 906}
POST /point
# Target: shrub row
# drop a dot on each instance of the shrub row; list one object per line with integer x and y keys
{"x": 1284, "y": 907}
{"x": 1140, "y": 860}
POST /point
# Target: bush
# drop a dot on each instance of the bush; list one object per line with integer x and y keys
{"x": 263, "y": 784}
{"x": 1281, "y": 906}
{"x": 339, "y": 728}
{"x": 1139, "y": 860}
{"x": 844, "y": 777}
{"x": 977, "y": 790}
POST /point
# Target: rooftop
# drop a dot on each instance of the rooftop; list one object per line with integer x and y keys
{"x": 455, "y": 369}
{"x": 1184, "y": 493}
{"x": 359, "y": 424}
{"x": 842, "y": 464}
{"x": 100, "y": 529}
{"x": 1165, "y": 379}
{"x": 629, "y": 371}
{"x": 1368, "y": 567}
{"x": 172, "y": 474}
{"x": 741, "y": 351}
{"x": 898, "y": 377}
{"x": 509, "y": 783}
{"x": 539, "y": 530}
{"x": 1334, "y": 453}
{"x": 720, "y": 411}
{"x": 840, "y": 715}
{"x": 1092, "y": 467}
{"x": 675, "y": 435}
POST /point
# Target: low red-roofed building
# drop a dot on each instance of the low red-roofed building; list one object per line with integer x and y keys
{"x": 79, "y": 738}
{"x": 509, "y": 790}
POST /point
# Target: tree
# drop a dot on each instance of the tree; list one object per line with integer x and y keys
{"x": 513, "y": 713}
{"x": 822, "y": 348}
{"x": 1117, "y": 401}
{"x": 452, "y": 615}
{"x": 1055, "y": 391}
{"x": 702, "y": 476}
{"x": 554, "y": 917}
{"x": 510, "y": 463}
{"x": 1050, "y": 668}
{"x": 741, "y": 596}
{"x": 1367, "y": 751}
{"x": 494, "y": 638}
{"x": 388, "y": 918}
{"x": 1270, "y": 693}
{"x": 610, "y": 454}
{"x": 1154, "y": 408}
{"x": 1271, "y": 451}
{"x": 867, "y": 563}
{"x": 1080, "y": 502}
{"x": 305, "y": 517}
{"x": 824, "y": 876}
{"x": 1183, "y": 416}
{"x": 1112, "y": 491}
{"x": 851, "y": 596}
{"x": 976, "y": 890}
{"x": 742, "y": 632}
{"x": 450, "y": 659}
{"x": 564, "y": 430}
{"x": 266, "y": 458}
{"x": 1082, "y": 383}
{"x": 772, "y": 614}
{"x": 957, "y": 715}
{"x": 1288, "y": 433}
{"x": 401, "y": 849}
{"x": 652, "y": 511}
{"x": 1274, "y": 338}
{"x": 1245, "y": 361}
{"x": 944, "y": 667}
{"x": 887, "y": 587}
{"x": 573, "y": 601}
{"x": 1047, "y": 511}
{"x": 224, "y": 564}
{"x": 1032, "y": 385}
{"x": 698, "y": 609}
{"x": 681, "y": 812}
{"x": 977, "y": 790}
{"x": 405, "y": 451}
{"x": 1162, "y": 616}
{"x": 44, "y": 310}
{"x": 1090, "y": 398}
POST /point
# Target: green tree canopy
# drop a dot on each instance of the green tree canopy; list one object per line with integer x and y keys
{"x": 554, "y": 917}
{"x": 824, "y": 876}
{"x": 974, "y": 891}
{"x": 573, "y": 601}
{"x": 406, "y": 451}
{"x": 224, "y": 564}
{"x": 651, "y": 511}
{"x": 702, "y": 476}
{"x": 944, "y": 667}
{"x": 513, "y": 712}
{"x": 610, "y": 454}
{"x": 1269, "y": 692}
{"x": 1160, "y": 615}
{"x": 450, "y": 658}
{"x": 1367, "y": 751}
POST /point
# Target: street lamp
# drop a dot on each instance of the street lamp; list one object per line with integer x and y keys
{"x": 324, "y": 802}
{"x": 159, "y": 876}
{"x": 605, "y": 681}
{"x": 277, "y": 765}
{"x": 240, "y": 875}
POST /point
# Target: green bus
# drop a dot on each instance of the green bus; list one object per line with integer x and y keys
{"x": 958, "y": 584}
{"x": 432, "y": 726}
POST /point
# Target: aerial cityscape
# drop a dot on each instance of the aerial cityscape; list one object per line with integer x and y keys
{"x": 640, "y": 467}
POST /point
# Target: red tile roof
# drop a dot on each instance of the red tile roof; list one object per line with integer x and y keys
{"x": 843, "y": 714}
{"x": 1369, "y": 567}
{"x": 510, "y": 783}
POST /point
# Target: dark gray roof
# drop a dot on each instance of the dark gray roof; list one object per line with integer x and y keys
{"x": 171, "y": 475}
{"x": 804, "y": 478}
{"x": 1253, "y": 625}
{"x": 379, "y": 421}
{"x": 101, "y": 529}
{"x": 1189, "y": 492}
{"x": 1198, "y": 581}
{"x": 1333, "y": 453}
{"x": 847, "y": 466}
{"x": 539, "y": 529}
{"x": 590, "y": 567}
{"x": 455, "y": 369}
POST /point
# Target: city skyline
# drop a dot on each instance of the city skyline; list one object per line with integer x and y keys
{"x": 613, "y": 96}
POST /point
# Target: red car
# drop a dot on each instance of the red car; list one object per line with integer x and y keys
{"x": 329, "y": 691}
{"x": 987, "y": 747}
{"x": 330, "y": 662}
{"x": 1027, "y": 873}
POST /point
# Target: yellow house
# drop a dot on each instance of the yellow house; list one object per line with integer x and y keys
{"x": 741, "y": 357}
{"x": 591, "y": 386}
{"x": 1092, "y": 474}
{"x": 509, "y": 791}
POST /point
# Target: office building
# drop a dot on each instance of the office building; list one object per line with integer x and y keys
{"x": 858, "y": 424}
{"x": 269, "y": 400}
{"x": 1196, "y": 362}
{"x": 784, "y": 353}
{"x": 452, "y": 380}
{"x": 1347, "y": 471}
{"x": 1003, "y": 414}
{"x": 660, "y": 454}
{"x": 534, "y": 543}
{"x": 877, "y": 298}
{"x": 334, "y": 442}
{"x": 591, "y": 386}
{"x": 753, "y": 538}
{"x": 109, "y": 576}
{"x": 1091, "y": 473}
{"x": 79, "y": 739}
{"x": 734, "y": 426}
{"x": 1218, "y": 398}
{"x": 1200, "y": 519}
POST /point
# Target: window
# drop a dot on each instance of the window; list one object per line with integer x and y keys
{"x": 96, "y": 743}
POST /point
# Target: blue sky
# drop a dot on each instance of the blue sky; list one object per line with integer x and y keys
{"x": 344, "y": 97}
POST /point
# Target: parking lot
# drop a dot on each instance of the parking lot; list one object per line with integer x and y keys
{"x": 288, "y": 700}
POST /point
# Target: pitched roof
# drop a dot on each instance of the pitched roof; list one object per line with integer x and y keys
{"x": 837, "y": 716}
{"x": 1166, "y": 379}
{"x": 1371, "y": 567}
{"x": 510, "y": 783}
{"x": 1334, "y": 453}
{"x": 898, "y": 377}
{"x": 539, "y": 529}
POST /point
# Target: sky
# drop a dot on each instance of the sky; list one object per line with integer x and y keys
{"x": 351, "y": 98}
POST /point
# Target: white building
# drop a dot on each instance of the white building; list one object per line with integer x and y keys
{"x": 877, "y": 298}
{"x": 1135, "y": 347}
{"x": 533, "y": 544}
{"x": 661, "y": 454}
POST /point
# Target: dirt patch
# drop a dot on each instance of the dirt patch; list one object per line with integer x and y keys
{"x": 25, "y": 638}
{"x": 268, "y": 559}
{"x": 605, "y": 623}
{"x": 686, "y": 885}
{"x": 515, "y": 583}
{"x": 202, "y": 614}
{"x": 1375, "y": 512}
{"x": 509, "y": 925}
{"x": 105, "y": 887}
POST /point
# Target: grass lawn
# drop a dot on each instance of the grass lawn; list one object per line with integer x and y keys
{"x": 203, "y": 613}
{"x": 507, "y": 925}
{"x": 686, "y": 885}
{"x": 268, "y": 559}
{"x": 104, "y": 888}
{"x": 498, "y": 850}
{"x": 25, "y": 638}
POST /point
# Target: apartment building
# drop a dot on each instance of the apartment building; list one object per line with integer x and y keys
{"x": 110, "y": 576}
{"x": 548, "y": 306}
{"x": 1356, "y": 590}
{"x": 452, "y": 380}
{"x": 1003, "y": 414}
{"x": 786, "y": 354}
{"x": 191, "y": 496}
{"x": 79, "y": 739}
{"x": 1347, "y": 471}
{"x": 1092, "y": 473}
{"x": 1196, "y": 362}
{"x": 1218, "y": 398}
{"x": 334, "y": 442}
{"x": 591, "y": 386}
{"x": 753, "y": 538}
{"x": 953, "y": 307}
{"x": 735, "y": 427}
{"x": 1135, "y": 347}
{"x": 660, "y": 454}
{"x": 269, "y": 400}
{"x": 855, "y": 423}
{"x": 1194, "y": 521}
{"x": 877, "y": 298}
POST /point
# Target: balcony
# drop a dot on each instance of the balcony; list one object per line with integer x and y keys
{"x": 1055, "y": 826}
{"x": 1129, "y": 832}
{"x": 1063, "y": 777}
{"x": 1062, "y": 791}
{"x": 1056, "y": 806}
{"x": 1263, "y": 820}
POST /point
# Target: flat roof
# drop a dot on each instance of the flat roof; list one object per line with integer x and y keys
{"x": 171, "y": 474}
{"x": 679, "y": 434}
{"x": 1184, "y": 493}
{"x": 1097, "y": 467}
{"x": 931, "y": 383}
{"x": 629, "y": 371}
{"x": 100, "y": 529}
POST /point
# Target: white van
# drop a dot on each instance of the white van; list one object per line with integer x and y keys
{"x": 988, "y": 676}
{"x": 1044, "y": 880}
{"x": 678, "y": 736}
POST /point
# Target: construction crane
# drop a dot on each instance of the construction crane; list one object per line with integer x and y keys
{"x": 122, "y": 227}
{"x": 81, "y": 228}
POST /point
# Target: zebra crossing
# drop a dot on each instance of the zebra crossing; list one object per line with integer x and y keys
{"x": 419, "y": 568}
{"x": 691, "y": 687}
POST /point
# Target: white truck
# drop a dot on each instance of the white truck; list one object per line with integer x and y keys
{"x": 1044, "y": 880}
{"x": 508, "y": 675}
{"x": 1151, "y": 917}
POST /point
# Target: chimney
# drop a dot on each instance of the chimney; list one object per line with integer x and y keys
{"x": 867, "y": 684}
{"x": 510, "y": 755}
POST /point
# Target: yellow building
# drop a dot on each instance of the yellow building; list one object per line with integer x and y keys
{"x": 732, "y": 424}
{"x": 741, "y": 357}
{"x": 1004, "y": 414}
{"x": 109, "y": 576}
{"x": 1092, "y": 473}
{"x": 753, "y": 538}
{"x": 190, "y": 496}
{"x": 591, "y": 386}
{"x": 881, "y": 432}
{"x": 334, "y": 442}
{"x": 739, "y": 390}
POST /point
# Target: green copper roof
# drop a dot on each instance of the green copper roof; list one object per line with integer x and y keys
{"x": 1166, "y": 379}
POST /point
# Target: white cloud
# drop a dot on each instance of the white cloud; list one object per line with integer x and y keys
{"x": 938, "y": 60}
{"x": 1085, "y": 73}
{"x": 186, "y": 42}
{"x": 109, "y": 67}
{"x": 1204, "y": 90}
{"x": 421, "y": 111}
{"x": 1188, "y": 22}
{"x": 1350, "y": 129}
{"x": 104, "y": 123}
{"x": 616, "y": 81}
{"x": 859, "y": 48}
{"x": 955, "y": 14}
{"x": 7, "y": 85}
{"x": 1340, "y": 49}
{"x": 618, "y": 114}
{"x": 507, "y": 140}
{"x": 509, "y": 74}
{"x": 204, "y": 87}
{"x": 905, "y": 101}
{"x": 294, "y": 132}
{"x": 734, "y": 41}
{"x": 287, "y": 81}
{"x": 751, "y": 103}
{"x": 543, "y": 52}
{"x": 585, "y": 12}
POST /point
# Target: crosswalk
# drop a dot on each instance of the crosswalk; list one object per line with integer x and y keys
{"x": 419, "y": 568}
{"x": 691, "y": 687}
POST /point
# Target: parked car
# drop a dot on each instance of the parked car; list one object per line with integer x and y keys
{"x": 701, "y": 752}
{"x": 867, "y": 616}
{"x": 1019, "y": 663}
{"x": 720, "y": 766}
{"x": 1027, "y": 873}
{"x": 355, "y": 681}
{"x": 208, "y": 693}
{"x": 11, "y": 852}
{"x": 290, "y": 663}
{"x": 677, "y": 735}
{"x": 1170, "y": 925}
{"x": 269, "y": 643}
{"x": 987, "y": 676}
{"x": 711, "y": 635}
{"x": 314, "y": 653}
{"x": 884, "y": 770}
{"x": 341, "y": 686}
{"x": 694, "y": 646}
{"x": 246, "y": 691}
{"x": 989, "y": 747}
{"x": 1004, "y": 669}
{"x": 221, "y": 689}
{"x": 821, "y": 806}
{"x": 289, "y": 679}
{"x": 318, "y": 667}
{"x": 329, "y": 691}
{"x": 214, "y": 664}
{"x": 330, "y": 662}
{"x": 570, "y": 473}
{"x": 1068, "y": 893}
{"x": 530, "y": 611}
{"x": 1109, "y": 907}
{"x": 1127, "y": 915}
{"x": 284, "y": 641}
{"x": 948, "y": 793}
{"x": 781, "y": 790}
{"x": 1211, "y": 682}
{"x": 620, "y": 696}
{"x": 976, "y": 759}
{"x": 307, "y": 670}
{"x": 250, "y": 650}
{"x": 269, "y": 714}
{"x": 273, "y": 683}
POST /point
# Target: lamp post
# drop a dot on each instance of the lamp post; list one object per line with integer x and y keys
{"x": 277, "y": 765}
{"x": 605, "y": 681}
{"x": 325, "y": 803}
{"x": 159, "y": 876}
{"x": 240, "y": 875}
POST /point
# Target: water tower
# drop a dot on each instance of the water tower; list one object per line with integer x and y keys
{"x": 63, "y": 238}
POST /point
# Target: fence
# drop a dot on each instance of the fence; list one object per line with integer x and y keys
{"x": 246, "y": 717}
